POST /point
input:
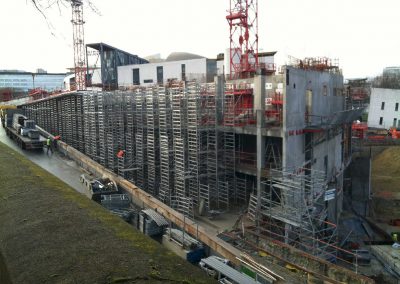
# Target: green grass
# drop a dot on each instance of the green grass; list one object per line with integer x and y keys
{"x": 51, "y": 234}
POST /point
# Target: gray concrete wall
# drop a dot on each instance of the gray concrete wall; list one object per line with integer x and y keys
{"x": 360, "y": 184}
{"x": 325, "y": 102}
{"x": 333, "y": 149}
{"x": 293, "y": 151}
{"x": 326, "y": 99}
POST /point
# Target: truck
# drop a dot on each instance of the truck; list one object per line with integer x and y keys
{"x": 22, "y": 130}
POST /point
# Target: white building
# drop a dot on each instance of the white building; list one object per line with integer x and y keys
{"x": 178, "y": 66}
{"x": 384, "y": 108}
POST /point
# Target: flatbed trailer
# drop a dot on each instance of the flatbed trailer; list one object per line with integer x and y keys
{"x": 25, "y": 143}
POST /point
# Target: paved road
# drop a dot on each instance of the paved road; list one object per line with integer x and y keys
{"x": 64, "y": 169}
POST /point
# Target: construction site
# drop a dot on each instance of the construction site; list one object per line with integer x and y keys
{"x": 270, "y": 145}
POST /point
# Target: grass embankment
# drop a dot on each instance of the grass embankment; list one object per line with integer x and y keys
{"x": 51, "y": 234}
{"x": 385, "y": 180}
{"x": 386, "y": 170}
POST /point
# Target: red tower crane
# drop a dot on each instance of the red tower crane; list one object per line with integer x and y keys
{"x": 79, "y": 44}
{"x": 243, "y": 23}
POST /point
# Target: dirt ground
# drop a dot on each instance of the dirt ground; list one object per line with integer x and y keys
{"x": 51, "y": 234}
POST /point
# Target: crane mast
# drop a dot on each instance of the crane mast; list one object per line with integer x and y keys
{"x": 79, "y": 44}
{"x": 243, "y": 26}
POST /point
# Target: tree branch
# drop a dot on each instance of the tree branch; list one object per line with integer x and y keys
{"x": 50, "y": 3}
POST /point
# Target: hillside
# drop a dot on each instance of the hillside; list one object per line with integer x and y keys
{"x": 51, "y": 234}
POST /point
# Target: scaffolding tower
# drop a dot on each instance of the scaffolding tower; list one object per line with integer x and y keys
{"x": 141, "y": 139}
{"x": 166, "y": 146}
{"x": 153, "y": 146}
{"x": 175, "y": 147}
{"x": 193, "y": 117}
{"x": 208, "y": 187}
{"x": 181, "y": 201}
{"x": 292, "y": 210}
{"x": 128, "y": 169}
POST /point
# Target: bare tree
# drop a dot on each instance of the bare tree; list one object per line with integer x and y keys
{"x": 387, "y": 81}
{"x": 43, "y": 5}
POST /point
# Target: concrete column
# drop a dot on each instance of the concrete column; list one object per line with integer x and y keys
{"x": 219, "y": 96}
{"x": 259, "y": 108}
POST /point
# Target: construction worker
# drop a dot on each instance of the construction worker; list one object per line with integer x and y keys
{"x": 49, "y": 146}
{"x": 121, "y": 153}
{"x": 56, "y": 138}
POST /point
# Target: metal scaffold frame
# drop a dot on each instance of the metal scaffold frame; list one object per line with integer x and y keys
{"x": 166, "y": 146}
{"x": 292, "y": 210}
{"x": 208, "y": 185}
{"x": 128, "y": 169}
{"x": 194, "y": 133}
{"x": 181, "y": 200}
{"x": 175, "y": 143}
{"x": 141, "y": 139}
{"x": 153, "y": 142}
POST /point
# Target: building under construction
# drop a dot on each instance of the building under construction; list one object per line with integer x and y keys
{"x": 276, "y": 144}
{"x": 273, "y": 142}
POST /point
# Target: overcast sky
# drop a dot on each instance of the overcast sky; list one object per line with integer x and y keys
{"x": 363, "y": 35}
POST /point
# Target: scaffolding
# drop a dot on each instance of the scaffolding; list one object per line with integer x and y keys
{"x": 166, "y": 146}
{"x": 174, "y": 146}
{"x": 194, "y": 133}
{"x": 292, "y": 210}
{"x": 127, "y": 166}
{"x": 208, "y": 187}
{"x": 153, "y": 147}
{"x": 141, "y": 139}
{"x": 181, "y": 200}
{"x": 274, "y": 108}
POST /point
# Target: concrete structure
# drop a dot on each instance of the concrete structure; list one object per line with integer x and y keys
{"x": 25, "y": 81}
{"x": 277, "y": 144}
{"x": 384, "y": 108}
{"x": 301, "y": 155}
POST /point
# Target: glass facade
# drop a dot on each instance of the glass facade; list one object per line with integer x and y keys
{"x": 110, "y": 59}
{"x": 25, "y": 81}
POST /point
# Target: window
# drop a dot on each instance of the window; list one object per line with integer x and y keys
{"x": 135, "y": 76}
{"x": 326, "y": 165}
{"x": 287, "y": 77}
{"x": 383, "y": 106}
{"x": 394, "y": 122}
{"x": 337, "y": 92}
{"x": 148, "y": 81}
{"x": 396, "y": 108}
{"x": 325, "y": 90}
{"x": 160, "y": 75}
{"x": 380, "y": 120}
